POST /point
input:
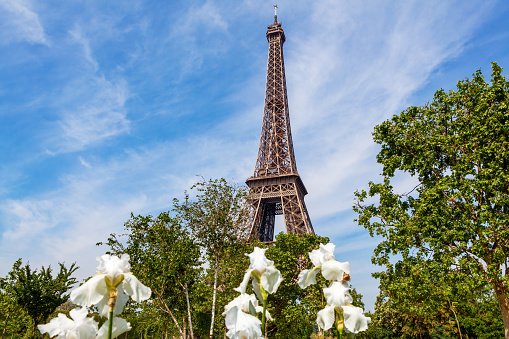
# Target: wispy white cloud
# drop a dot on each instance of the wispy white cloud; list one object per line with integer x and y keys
{"x": 196, "y": 25}
{"x": 78, "y": 36}
{"x": 98, "y": 117}
{"x": 84, "y": 162}
{"x": 19, "y": 23}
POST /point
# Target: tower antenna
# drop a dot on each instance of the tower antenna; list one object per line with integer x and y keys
{"x": 275, "y": 14}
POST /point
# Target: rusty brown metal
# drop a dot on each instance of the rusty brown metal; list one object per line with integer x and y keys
{"x": 276, "y": 188}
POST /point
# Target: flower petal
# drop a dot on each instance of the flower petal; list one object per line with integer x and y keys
{"x": 122, "y": 299}
{"x": 78, "y": 314}
{"x": 325, "y": 318}
{"x": 259, "y": 309}
{"x": 243, "y": 285}
{"x": 87, "y": 329}
{"x": 327, "y": 251}
{"x": 308, "y": 277}
{"x": 91, "y": 292}
{"x": 334, "y": 270}
{"x": 355, "y": 320}
{"x": 242, "y": 325}
{"x": 337, "y": 294}
{"x": 258, "y": 261}
{"x": 271, "y": 279}
{"x": 133, "y": 287}
{"x": 113, "y": 265}
{"x": 57, "y": 326}
{"x": 322, "y": 254}
{"x": 316, "y": 258}
{"x": 256, "y": 290}
{"x": 80, "y": 327}
{"x": 242, "y": 302}
{"x": 119, "y": 326}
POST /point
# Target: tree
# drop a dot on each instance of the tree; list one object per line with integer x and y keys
{"x": 457, "y": 147}
{"x": 38, "y": 293}
{"x": 420, "y": 299}
{"x": 166, "y": 258}
{"x": 218, "y": 218}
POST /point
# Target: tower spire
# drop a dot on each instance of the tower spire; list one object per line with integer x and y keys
{"x": 275, "y": 187}
{"x": 275, "y": 14}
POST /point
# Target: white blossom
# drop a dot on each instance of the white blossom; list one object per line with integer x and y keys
{"x": 119, "y": 326}
{"x": 95, "y": 290}
{"x": 337, "y": 294}
{"x": 80, "y": 327}
{"x": 325, "y": 318}
{"x": 323, "y": 260}
{"x": 247, "y": 303}
{"x": 263, "y": 271}
{"x": 242, "y": 325}
{"x": 355, "y": 320}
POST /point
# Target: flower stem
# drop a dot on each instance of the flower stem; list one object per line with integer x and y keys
{"x": 110, "y": 323}
{"x": 263, "y": 316}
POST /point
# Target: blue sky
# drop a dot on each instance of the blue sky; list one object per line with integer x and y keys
{"x": 113, "y": 107}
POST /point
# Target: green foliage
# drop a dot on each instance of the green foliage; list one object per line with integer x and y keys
{"x": 14, "y": 321}
{"x": 217, "y": 216}
{"x": 452, "y": 227}
{"x": 36, "y": 293}
{"x": 294, "y": 322}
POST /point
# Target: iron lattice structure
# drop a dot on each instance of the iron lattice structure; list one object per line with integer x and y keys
{"x": 276, "y": 188}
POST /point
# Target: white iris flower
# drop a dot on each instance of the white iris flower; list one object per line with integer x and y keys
{"x": 323, "y": 260}
{"x": 265, "y": 275}
{"x": 247, "y": 303}
{"x": 80, "y": 327}
{"x": 112, "y": 273}
{"x": 339, "y": 310}
{"x": 119, "y": 326}
{"x": 355, "y": 320}
{"x": 242, "y": 325}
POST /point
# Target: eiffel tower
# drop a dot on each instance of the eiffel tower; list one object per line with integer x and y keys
{"x": 276, "y": 188}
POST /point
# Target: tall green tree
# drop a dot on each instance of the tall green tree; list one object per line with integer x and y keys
{"x": 38, "y": 293}
{"x": 217, "y": 217}
{"x": 420, "y": 298}
{"x": 457, "y": 148}
{"x": 166, "y": 258}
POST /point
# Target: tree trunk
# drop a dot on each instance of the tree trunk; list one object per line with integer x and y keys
{"x": 34, "y": 328}
{"x": 503, "y": 303}
{"x": 167, "y": 310}
{"x": 6, "y": 320}
{"x": 216, "y": 264}
{"x": 189, "y": 311}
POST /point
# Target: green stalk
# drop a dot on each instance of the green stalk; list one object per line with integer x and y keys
{"x": 263, "y": 317}
{"x": 340, "y": 325}
{"x": 110, "y": 323}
